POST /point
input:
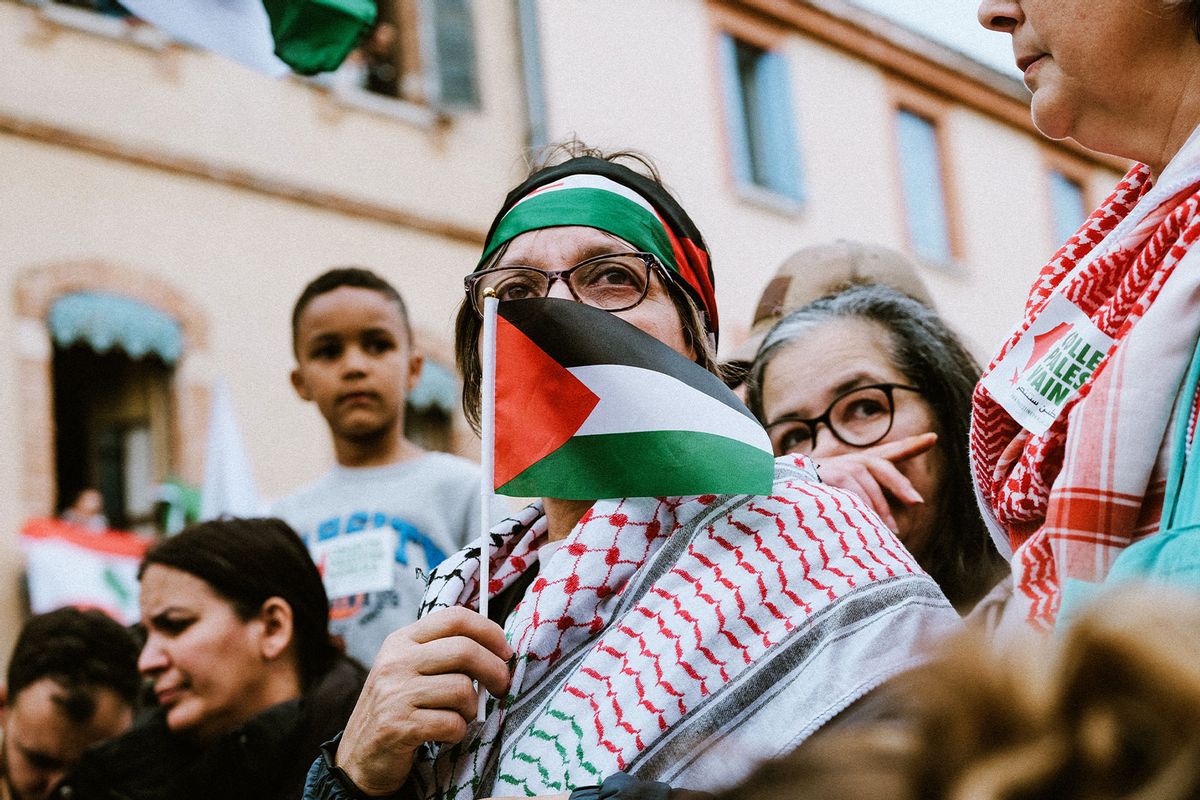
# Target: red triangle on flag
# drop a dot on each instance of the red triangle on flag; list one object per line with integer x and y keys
{"x": 539, "y": 404}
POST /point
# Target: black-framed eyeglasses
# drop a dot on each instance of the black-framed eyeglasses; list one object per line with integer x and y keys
{"x": 860, "y": 417}
{"x": 613, "y": 281}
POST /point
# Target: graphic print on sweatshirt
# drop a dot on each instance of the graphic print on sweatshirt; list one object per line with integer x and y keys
{"x": 359, "y": 556}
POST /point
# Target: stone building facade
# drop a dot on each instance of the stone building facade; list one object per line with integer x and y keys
{"x": 200, "y": 197}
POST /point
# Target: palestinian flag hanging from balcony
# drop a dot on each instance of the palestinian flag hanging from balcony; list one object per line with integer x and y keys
{"x": 271, "y": 36}
{"x": 589, "y": 407}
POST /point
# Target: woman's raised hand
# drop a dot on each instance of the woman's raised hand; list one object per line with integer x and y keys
{"x": 871, "y": 473}
{"x": 420, "y": 690}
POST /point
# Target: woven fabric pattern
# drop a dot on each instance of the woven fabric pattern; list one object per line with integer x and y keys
{"x": 666, "y": 635}
{"x": 1068, "y": 501}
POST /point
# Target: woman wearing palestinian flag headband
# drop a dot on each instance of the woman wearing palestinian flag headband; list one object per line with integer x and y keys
{"x": 1083, "y": 423}
{"x": 642, "y": 629}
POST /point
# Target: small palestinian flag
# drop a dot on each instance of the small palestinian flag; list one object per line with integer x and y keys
{"x": 589, "y": 407}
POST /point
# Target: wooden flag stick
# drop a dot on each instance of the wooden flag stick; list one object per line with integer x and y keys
{"x": 488, "y": 458}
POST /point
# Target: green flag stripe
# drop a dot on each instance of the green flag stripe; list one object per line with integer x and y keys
{"x": 646, "y": 464}
{"x": 595, "y": 208}
{"x": 314, "y": 36}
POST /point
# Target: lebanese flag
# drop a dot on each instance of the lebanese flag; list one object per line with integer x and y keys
{"x": 66, "y": 565}
{"x": 589, "y": 407}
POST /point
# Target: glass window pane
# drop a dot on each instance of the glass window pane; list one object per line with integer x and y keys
{"x": 735, "y": 112}
{"x": 748, "y": 60}
{"x": 455, "y": 53}
{"x": 921, "y": 182}
{"x": 779, "y": 143}
{"x": 1067, "y": 206}
{"x": 762, "y": 129}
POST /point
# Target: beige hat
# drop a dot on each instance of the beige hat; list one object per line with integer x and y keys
{"x": 827, "y": 269}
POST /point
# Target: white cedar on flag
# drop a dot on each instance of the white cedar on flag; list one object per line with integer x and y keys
{"x": 228, "y": 478}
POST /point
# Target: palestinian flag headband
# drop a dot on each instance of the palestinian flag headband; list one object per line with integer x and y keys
{"x": 613, "y": 198}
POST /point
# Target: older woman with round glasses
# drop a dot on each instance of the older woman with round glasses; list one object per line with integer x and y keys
{"x": 877, "y": 390}
{"x": 858, "y": 417}
{"x": 638, "y": 638}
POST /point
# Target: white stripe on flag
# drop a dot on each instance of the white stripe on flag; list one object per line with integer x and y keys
{"x": 229, "y": 486}
{"x": 61, "y": 573}
{"x": 585, "y": 181}
{"x": 636, "y": 400}
{"x": 237, "y": 29}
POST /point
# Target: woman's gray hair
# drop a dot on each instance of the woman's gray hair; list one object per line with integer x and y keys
{"x": 931, "y": 357}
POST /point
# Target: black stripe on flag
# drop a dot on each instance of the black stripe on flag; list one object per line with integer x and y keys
{"x": 578, "y": 335}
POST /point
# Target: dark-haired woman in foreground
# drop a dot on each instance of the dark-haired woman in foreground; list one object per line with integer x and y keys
{"x": 874, "y": 387}
{"x": 247, "y": 680}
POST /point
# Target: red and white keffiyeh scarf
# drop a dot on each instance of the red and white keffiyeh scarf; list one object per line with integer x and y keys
{"x": 1068, "y": 501}
{"x": 682, "y": 639}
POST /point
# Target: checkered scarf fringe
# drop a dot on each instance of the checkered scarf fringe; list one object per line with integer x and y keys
{"x": 1070, "y": 500}
{"x": 667, "y": 636}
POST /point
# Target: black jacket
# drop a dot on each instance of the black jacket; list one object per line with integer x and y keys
{"x": 266, "y": 758}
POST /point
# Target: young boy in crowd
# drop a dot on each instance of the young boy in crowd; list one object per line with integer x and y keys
{"x": 389, "y": 511}
{"x": 72, "y": 682}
